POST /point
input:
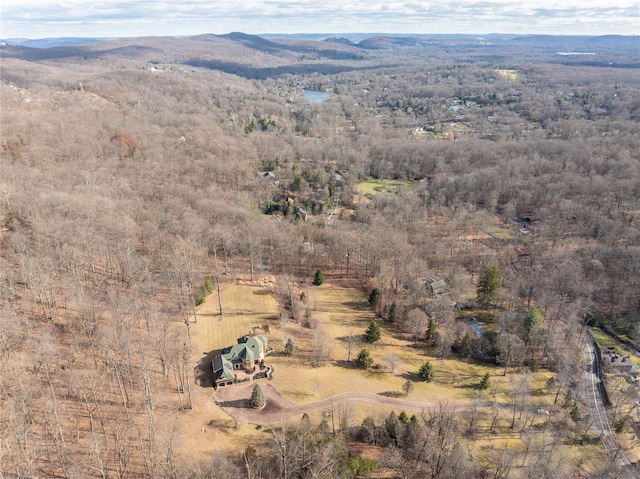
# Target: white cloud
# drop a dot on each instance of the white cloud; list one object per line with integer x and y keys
{"x": 38, "y": 18}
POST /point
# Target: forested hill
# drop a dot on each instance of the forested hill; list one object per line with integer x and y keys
{"x": 243, "y": 49}
{"x": 134, "y": 172}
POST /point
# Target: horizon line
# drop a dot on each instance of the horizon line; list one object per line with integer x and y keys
{"x": 327, "y": 34}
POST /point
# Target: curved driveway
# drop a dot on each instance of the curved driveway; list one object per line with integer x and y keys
{"x": 235, "y": 401}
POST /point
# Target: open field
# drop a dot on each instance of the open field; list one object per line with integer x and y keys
{"x": 207, "y": 429}
{"x": 245, "y": 308}
{"x": 509, "y": 75}
{"x": 340, "y": 311}
{"x": 373, "y": 187}
{"x": 337, "y": 311}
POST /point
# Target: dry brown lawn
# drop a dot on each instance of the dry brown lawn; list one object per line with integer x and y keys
{"x": 338, "y": 310}
{"x": 207, "y": 429}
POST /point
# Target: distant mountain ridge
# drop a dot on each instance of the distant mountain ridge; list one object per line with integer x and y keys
{"x": 256, "y": 57}
{"x": 53, "y": 41}
{"x": 361, "y": 40}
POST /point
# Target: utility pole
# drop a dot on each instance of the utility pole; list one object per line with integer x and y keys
{"x": 219, "y": 298}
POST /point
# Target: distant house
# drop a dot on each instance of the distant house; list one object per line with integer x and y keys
{"x": 438, "y": 286}
{"x": 621, "y": 364}
{"x": 244, "y": 356}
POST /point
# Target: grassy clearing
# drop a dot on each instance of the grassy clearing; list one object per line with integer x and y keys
{"x": 509, "y": 75}
{"x": 339, "y": 310}
{"x": 505, "y": 232}
{"x": 244, "y": 308}
{"x": 207, "y": 429}
{"x": 604, "y": 340}
{"x": 372, "y": 187}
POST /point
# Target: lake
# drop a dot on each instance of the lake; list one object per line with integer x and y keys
{"x": 315, "y": 96}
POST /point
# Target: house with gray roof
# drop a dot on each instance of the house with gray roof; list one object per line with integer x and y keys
{"x": 244, "y": 356}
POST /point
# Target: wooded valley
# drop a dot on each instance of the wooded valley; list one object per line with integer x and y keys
{"x": 133, "y": 170}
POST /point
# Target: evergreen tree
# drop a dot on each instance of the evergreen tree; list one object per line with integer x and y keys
{"x": 392, "y": 428}
{"x": 426, "y": 372}
{"x": 574, "y": 413}
{"x": 374, "y": 297}
{"x": 364, "y": 359}
{"x": 403, "y": 417}
{"x": 466, "y": 347}
{"x": 372, "y": 334}
{"x": 393, "y": 312}
{"x": 488, "y": 286}
{"x": 484, "y": 382}
{"x": 532, "y": 324}
{"x": 204, "y": 291}
{"x": 290, "y": 347}
{"x": 318, "y": 279}
{"x": 430, "y": 334}
{"x": 257, "y": 397}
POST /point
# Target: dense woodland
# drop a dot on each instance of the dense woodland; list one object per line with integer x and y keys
{"x": 131, "y": 170}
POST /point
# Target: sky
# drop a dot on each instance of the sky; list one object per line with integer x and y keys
{"x": 134, "y": 18}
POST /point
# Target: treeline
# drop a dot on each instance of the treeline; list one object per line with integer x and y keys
{"x": 427, "y": 444}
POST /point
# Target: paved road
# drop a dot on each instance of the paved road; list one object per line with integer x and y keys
{"x": 594, "y": 396}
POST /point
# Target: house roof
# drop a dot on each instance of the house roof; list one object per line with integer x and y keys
{"x": 222, "y": 369}
{"x": 247, "y": 349}
{"x": 620, "y": 361}
{"x": 253, "y": 341}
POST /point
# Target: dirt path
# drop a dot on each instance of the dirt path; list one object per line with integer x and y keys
{"x": 235, "y": 401}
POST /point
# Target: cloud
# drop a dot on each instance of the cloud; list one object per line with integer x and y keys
{"x": 32, "y": 18}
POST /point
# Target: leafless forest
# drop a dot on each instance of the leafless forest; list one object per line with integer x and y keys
{"x": 131, "y": 170}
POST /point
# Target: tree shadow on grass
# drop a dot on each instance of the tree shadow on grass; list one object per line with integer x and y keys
{"x": 357, "y": 305}
{"x": 393, "y": 394}
{"x": 358, "y": 339}
{"x": 468, "y": 386}
{"x": 203, "y": 372}
{"x": 477, "y": 385}
{"x": 415, "y": 377}
{"x": 262, "y": 292}
{"x": 236, "y": 403}
{"x": 346, "y": 364}
{"x": 397, "y": 335}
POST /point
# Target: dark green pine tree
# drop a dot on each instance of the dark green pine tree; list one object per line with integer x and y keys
{"x": 393, "y": 313}
{"x": 374, "y": 297}
{"x": 426, "y": 372}
{"x": 364, "y": 359}
{"x": 372, "y": 334}
{"x": 466, "y": 347}
{"x": 488, "y": 286}
{"x": 290, "y": 347}
{"x": 257, "y": 397}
